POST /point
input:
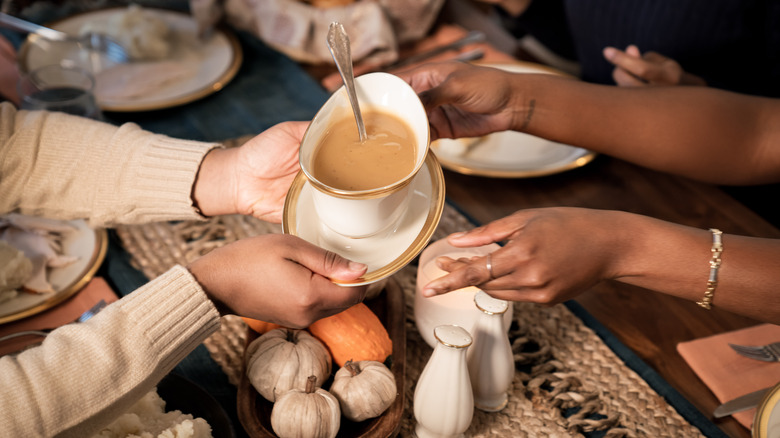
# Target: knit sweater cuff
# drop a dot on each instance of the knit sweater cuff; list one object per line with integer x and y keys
{"x": 177, "y": 314}
{"x": 156, "y": 180}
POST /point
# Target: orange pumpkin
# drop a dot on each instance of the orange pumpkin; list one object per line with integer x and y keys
{"x": 260, "y": 326}
{"x": 355, "y": 334}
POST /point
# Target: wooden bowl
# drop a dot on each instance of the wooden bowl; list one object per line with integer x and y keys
{"x": 254, "y": 411}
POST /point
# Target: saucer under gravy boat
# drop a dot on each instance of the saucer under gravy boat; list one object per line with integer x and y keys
{"x": 386, "y": 252}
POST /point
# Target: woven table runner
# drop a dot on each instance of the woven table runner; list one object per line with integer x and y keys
{"x": 568, "y": 382}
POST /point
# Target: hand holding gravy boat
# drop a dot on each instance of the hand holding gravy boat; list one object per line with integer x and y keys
{"x": 362, "y": 188}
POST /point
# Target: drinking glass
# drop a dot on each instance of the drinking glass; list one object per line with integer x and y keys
{"x": 61, "y": 88}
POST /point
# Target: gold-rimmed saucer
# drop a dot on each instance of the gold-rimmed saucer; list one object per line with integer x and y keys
{"x": 384, "y": 253}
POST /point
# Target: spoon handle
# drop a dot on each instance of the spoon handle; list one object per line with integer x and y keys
{"x": 338, "y": 44}
{"x": 20, "y": 25}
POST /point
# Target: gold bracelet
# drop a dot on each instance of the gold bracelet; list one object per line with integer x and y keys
{"x": 712, "y": 281}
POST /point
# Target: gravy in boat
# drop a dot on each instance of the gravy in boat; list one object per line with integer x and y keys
{"x": 388, "y": 155}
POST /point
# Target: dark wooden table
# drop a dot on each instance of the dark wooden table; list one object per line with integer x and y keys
{"x": 650, "y": 323}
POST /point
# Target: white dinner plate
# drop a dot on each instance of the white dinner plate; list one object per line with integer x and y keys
{"x": 766, "y": 423}
{"x": 203, "y": 66}
{"x": 90, "y": 247}
{"x": 510, "y": 154}
{"x": 384, "y": 253}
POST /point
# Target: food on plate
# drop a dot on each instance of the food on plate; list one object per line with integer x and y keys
{"x": 144, "y": 35}
{"x": 41, "y": 241}
{"x": 147, "y": 419}
{"x": 355, "y": 334}
{"x": 364, "y": 389}
{"x": 15, "y": 269}
{"x": 140, "y": 80}
{"x": 283, "y": 359}
{"x": 310, "y": 412}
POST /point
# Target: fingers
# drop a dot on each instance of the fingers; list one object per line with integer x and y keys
{"x": 626, "y": 79}
{"x": 332, "y": 298}
{"x": 494, "y": 232}
{"x": 634, "y": 69}
{"x": 633, "y": 51}
{"x": 630, "y": 69}
{"x": 462, "y": 273}
{"x": 428, "y": 76}
{"x": 474, "y": 272}
{"x": 325, "y": 263}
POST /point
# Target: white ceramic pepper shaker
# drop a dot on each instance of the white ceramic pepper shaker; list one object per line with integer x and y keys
{"x": 490, "y": 360}
{"x": 443, "y": 399}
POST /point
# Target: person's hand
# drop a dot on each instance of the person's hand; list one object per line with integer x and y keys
{"x": 252, "y": 179}
{"x": 634, "y": 69}
{"x": 278, "y": 278}
{"x": 551, "y": 255}
{"x": 463, "y": 100}
{"x": 9, "y": 71}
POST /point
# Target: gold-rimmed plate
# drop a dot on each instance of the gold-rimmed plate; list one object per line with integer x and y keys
{"x": 90, "y": 246}
{"x": 384, "y": 253}
{"x": 511, "y": 154}
{"x": 766, "y": 423}
{"x": 197, "y": 67}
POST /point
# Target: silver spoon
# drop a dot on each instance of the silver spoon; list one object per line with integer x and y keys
{"x": 338, "y": 44}
{"x": 91, "y": 41}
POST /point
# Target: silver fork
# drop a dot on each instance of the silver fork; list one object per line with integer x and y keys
{"x": 767, "y": 353}
{"x": 89, "y": 313}
{"x": 96, "y": 42}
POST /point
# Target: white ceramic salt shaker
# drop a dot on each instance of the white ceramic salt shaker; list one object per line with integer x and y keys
{"x": 443, "y": 399}
{"x": 490, "y": 360}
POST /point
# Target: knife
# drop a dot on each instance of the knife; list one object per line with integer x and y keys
{"x": 740, "y": 404}
{"x": 474, "y": 36}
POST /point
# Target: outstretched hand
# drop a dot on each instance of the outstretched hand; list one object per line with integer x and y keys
{"x": 458, "y": 101}
{"x": 252, "y": 179}
{"x": 634, "y": 69}
{"x": 550, "y": 256}
{"x": 278, "y": 278}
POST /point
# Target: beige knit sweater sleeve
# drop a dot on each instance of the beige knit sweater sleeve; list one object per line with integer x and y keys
{"x": 85, "y": 375}
{"x": 67, "y": 167}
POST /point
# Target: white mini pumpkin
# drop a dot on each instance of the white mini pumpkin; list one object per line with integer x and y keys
{"x": 283, "y": 359}
{"x": 364, "y": 389}
{"x": 308, "y": 413}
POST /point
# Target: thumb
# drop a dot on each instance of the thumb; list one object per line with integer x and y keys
{"x": 327, "y": 263}
{"x": 494, "y": 232}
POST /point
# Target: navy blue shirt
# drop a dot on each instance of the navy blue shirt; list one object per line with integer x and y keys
{"x": 732, "y": 44}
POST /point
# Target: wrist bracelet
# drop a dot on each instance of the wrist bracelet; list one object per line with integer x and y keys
{"x": 712, "y": 281}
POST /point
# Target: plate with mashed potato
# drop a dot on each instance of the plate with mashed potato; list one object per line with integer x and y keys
{"x": 170, "y": 63}
{"x": 43, "y": 262}
{"x": 177, "y": 407}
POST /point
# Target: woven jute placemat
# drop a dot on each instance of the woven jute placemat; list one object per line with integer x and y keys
{"x": 568, "y": 382}
{"x": 563, "y": 366}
